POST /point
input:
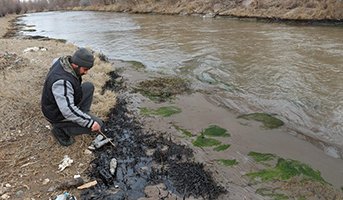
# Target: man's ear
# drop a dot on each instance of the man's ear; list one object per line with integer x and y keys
{"x": 74, "y": 65}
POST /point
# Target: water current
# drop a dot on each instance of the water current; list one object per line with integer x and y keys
{"x": 293, "y": 71}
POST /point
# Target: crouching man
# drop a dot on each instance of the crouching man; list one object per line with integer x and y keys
{"x": 66, "y": 101}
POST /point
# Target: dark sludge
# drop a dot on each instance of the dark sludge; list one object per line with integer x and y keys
{"x": 144, "y": 158}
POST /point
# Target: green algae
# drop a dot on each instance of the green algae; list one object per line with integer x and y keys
{"x": 268, "y": 120}
{"x": 164, "y": 111}
{"x": 216, "y": 131}
{"x": 286, "y": 169}
{"x": 228, "y": 162}
{"x": 222, "y": 147}
{"x": 163, "y": 88}
{"x": 137, "y": 65}
{"x": 271, "y": 193}
{"x": 202, "y": 141}
{"x": 183, "y": 131}
{"x": 262, "y": 157}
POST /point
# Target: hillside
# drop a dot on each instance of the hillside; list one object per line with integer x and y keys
{"x": 321, "y": 10}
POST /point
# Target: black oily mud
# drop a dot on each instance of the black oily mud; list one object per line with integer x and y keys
{"x": 144, "y": 157}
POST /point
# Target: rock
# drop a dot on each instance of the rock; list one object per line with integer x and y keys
{"x": 66, "y": 185}
{"x": 19, "y": 193}
{"x": 46, "y": 181}
{"x": 88, "y": 152}
{"x": 3, "y": 190}
{"x": 5, "y": 196}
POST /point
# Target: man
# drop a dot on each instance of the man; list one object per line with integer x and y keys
{"x": 66, "y": 101}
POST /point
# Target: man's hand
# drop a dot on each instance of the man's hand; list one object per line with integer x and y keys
{"x": 96, "y": 127}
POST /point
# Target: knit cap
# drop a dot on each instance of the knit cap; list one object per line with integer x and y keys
{"x": 83, "y": 58}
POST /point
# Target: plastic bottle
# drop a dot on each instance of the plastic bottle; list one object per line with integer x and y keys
{"x": 63, "y": 196}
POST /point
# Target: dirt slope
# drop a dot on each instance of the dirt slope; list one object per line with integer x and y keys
{"x": 279, "y": 9}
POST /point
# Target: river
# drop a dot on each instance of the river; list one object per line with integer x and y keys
{"x": 292, "y": 71}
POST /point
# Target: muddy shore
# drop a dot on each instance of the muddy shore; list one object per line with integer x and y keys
{"x": 30, "y": 156}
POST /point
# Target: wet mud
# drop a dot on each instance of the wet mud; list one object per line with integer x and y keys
{"x": 144, "y": 158}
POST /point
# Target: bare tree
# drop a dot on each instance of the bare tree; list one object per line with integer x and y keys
{"x": 85, "y": 2}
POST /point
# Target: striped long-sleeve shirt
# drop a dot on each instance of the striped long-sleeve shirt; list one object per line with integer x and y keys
{"x": 64, "y": 96}
{"x": 62, "y": 93}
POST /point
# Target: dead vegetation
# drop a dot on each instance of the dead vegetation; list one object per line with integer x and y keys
{"x": 29, "y": 155}
{"x": 289, "y": 9}
{"x": 162, "y": 89}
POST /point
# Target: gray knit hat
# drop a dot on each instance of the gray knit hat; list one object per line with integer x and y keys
{"x": 83, "y": 58}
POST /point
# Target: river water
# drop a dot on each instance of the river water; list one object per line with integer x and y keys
{"x": 293, "y": 71}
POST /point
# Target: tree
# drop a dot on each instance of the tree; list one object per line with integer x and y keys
{"x": 85, "y": 3}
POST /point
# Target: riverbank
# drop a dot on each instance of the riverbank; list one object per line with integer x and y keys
{"x": 30, "y": 156}
{"x": 300, "y": 11}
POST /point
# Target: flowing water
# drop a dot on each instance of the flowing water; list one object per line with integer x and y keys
{"x": 293, "y": 71}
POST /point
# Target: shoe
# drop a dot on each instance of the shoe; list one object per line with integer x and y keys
{"x": 62, "y": 137}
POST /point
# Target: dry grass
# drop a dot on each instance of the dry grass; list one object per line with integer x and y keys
{"x": 284, "y": 9}
{"x": 28, "y": 152}
{"x": 98, "y": 76}
{"x": 21, "y": 90}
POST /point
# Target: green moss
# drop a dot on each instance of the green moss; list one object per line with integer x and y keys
{"x": 165, "y": 111}
{"x": 137, "y": 65}
{"x": 228, "y": 162}
{"x": 202, "y": 141}
{"x": 183, "y": 131}
{"x": 222, "y": 147}
{"x": 302, "y": 198}
{"x": 261, "y": 157}
{"x": 271, "y": 193}
{"x": 285, "y": 169}
{"x": 268, "y": 120}
{"x": 163, "y": 88}
{"x": 216, "y": 131}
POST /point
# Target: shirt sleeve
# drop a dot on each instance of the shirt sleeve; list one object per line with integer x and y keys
{"x": 64, "y": 95}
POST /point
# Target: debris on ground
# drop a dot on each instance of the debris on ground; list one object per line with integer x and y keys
{"x": 125, "y": 170}
{"x": 35, "y": 49}
{"x": 87, "y": 185}
{"x": 66, "y": 162}
{"x": 65, "y": 196}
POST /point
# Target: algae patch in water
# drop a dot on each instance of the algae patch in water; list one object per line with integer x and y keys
{"x": 183, "y": 131}
{"x": 211, "y": 131}
{"x": 286, "y": 169}
{"x": 164, "y": 111}
{"x": 222, "y": 147}
{"x": 268, "y": 120}
{"x": 261, "y": 157}
{"x": 163, "y": 88}
{"x": 228, "y": 162}
{"x": 203, "y": 141}
{"x": 216, "y": 131}
{"x": 271, "y": 193}
{"x": 137, "y": 65}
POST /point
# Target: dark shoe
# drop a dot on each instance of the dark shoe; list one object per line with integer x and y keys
{"x": 62, "y": 137}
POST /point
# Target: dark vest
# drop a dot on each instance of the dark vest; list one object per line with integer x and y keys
{"x": 48, "y": 104}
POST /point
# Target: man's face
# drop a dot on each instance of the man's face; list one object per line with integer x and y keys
{"x": 83, "y": 70}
